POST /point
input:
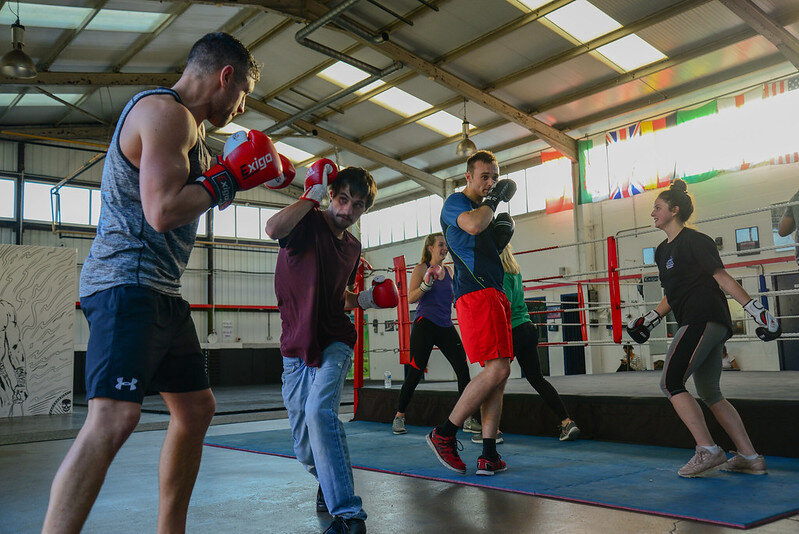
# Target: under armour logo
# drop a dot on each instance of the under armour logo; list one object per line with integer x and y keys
{"x": 256, "y": 165}
{"x": 121, "y": 382}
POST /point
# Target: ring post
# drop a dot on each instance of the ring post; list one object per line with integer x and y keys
{"x": 357, "y": 382}
{"x": 581, "y": 304}
{"x": 403, "y": 317}
{"x": 615, "y": 292}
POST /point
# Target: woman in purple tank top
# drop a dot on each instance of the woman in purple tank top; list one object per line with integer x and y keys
{"x": 431, "y": 287}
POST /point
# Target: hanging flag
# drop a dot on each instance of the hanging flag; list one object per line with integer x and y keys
{"x": 779, "y": 87}
{"x": 593, "y": 161}
{"x": 627, "y": 163}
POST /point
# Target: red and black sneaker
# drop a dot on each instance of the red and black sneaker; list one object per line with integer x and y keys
{"x": 446, "y": 450}
{"x": 489, "y": 467}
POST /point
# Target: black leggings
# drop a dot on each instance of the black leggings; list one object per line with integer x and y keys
{"x": 525, "y": 343}
{"x": 424, "y": 334}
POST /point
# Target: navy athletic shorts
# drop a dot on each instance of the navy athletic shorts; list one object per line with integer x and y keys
{"x": 141, "y": 342}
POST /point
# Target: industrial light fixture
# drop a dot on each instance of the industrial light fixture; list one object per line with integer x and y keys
{"x": 16, "y": 63}
{"x": 466, "y": 146}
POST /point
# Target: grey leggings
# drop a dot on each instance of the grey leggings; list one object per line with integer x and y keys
{"x": 695, "y": 350}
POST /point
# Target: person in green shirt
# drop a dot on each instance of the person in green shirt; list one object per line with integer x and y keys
{"x": 525, "y": 344}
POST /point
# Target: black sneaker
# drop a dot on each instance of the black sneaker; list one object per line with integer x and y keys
{"x": 321, "y": 507}
{"x": 346, "y": 526}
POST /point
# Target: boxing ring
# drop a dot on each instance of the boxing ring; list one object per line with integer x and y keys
{"x": 626, "y": 407}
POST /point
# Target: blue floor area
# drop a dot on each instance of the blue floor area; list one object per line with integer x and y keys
{"x": 617, "y": 475}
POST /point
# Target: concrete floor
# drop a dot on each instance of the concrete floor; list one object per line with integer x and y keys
{"x": 241, "y": 492}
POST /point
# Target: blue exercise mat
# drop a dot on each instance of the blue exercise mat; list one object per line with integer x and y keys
{"x": 639, "y": 478}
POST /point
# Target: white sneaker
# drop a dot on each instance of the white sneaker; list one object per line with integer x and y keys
{"x": 478, "y": 438}
{"x": 703, "y": 462}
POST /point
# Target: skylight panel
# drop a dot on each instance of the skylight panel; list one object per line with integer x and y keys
{"x": 38, "y": 99}
{"x": 70, "y": 17}
{"x": 230, "y": 128}
{"x": 293, "y": 153}
{"x": 631, "y": 52}
{"x": 44, "y": 16}
{"x": 345, "y": 75}
{"x": 532, "y": 4}
{"x": 582, "y": 20}
{"x": 401, "y": 102}
{"x": 127, "y": 21}
{"x": 444, "y": 123}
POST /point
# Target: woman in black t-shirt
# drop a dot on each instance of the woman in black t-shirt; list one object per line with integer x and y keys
{"x": 693, "y": 277}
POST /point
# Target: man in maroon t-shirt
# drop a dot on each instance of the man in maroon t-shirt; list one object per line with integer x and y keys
{"x": 315, "y": 270}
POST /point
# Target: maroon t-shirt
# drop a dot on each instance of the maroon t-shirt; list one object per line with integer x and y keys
{"x": 313, "y": 269}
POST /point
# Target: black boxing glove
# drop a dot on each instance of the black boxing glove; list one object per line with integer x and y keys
{"x": 639, "y": 329}
{"x": 503, "y": 230}
{"x": 502, "y": 191}
{"x": 768, "y": 328}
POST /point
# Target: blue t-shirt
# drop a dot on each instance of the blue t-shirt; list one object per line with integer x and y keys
{"x": 477, "y": 263}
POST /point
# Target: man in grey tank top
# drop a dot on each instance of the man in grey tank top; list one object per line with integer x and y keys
{"x": 157, "y": 181}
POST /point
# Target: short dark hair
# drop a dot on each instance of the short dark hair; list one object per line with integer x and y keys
{"x": 215, "y": 50}
{"x": 677, "y": 195}
{"x": 486, "y": 156}
{"x": 360, "y": 183}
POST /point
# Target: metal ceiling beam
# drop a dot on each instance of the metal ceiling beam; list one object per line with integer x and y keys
{"x": 349, "y": 51}
{"x": 462, "y": 50}
{"x": 72, "y": 106}
{"x": 447, "y": 141}
{"x": 717, "y": 44}
{"x": 426, "y": 180}
{"x": 554, "y": 137}
{"x": 557, "y": 59}
{"x": 270, "y": 34}
{"x": 72, "y": 131}
{"x": 11, "y": 105}
{"x": 138, "y": 45}
{"x": 96, "y": 79}
{"x": 68, "y": 36}
{"x": 724, "y": 76}
{"x": 763, "y": 24}
{"x": 665, "y": 94}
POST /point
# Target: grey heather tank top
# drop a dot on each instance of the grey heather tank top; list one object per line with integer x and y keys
{"x": 127, "y": 250}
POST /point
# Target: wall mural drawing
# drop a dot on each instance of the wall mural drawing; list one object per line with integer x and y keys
{"x": 37, "y": 318}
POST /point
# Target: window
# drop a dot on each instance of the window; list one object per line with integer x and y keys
{"x": 202, "y": 227}
{"x": 36, "y": 202}
{"x": 248, "y": 222}
{"x": 649, "y": 255}
{"x": 7, "y": 195}
{"x": 747, "y": 240}
{"x": 74, "y": 204}
{"x": 518, "y": 204}
{"x": 266, "y": 214}
{"x": 225, "y": 222}
{"x": 96, "y": 204}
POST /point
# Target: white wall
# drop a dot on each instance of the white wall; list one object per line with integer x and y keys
{"x": 725, "y": 194}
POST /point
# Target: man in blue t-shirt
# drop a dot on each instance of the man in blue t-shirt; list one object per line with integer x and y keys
{"x": 467, "y": 220}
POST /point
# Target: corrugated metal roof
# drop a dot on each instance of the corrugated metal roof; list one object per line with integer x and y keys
{"x": 458, "y": 23}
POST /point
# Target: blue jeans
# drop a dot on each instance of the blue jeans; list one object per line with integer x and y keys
{"x": 312, "y": 396}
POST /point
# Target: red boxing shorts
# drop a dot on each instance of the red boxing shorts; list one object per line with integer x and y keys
{"x": 484, "y": 320}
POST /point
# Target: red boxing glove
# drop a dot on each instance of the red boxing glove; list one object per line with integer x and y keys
{"x": 285, "y": 178}
{"x": 321, "y": 174}
{"x": 248, "y": 160}
{"x": 382, "y": 294}
{"x": 433, "y": 273}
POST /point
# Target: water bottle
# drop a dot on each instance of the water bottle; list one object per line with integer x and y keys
{"x": 387, "y": 379}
